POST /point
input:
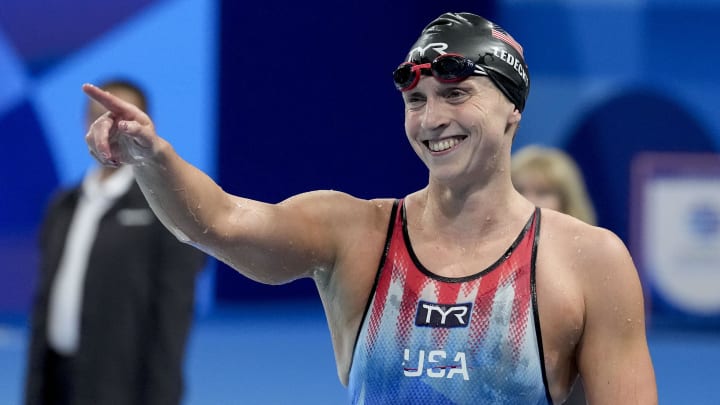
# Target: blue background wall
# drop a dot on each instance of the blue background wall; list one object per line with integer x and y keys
{"x": 47, "y": 50}
{"x": 278, "y": 97}
{"x": 275, "y": 98}
{"x": 322, "y": 113}
{"x": 609, "y": 80}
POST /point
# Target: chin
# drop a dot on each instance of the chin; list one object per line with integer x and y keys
{"x": 445, "y": 175}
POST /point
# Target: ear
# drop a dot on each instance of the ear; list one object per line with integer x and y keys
{"x": 515, "y": 116}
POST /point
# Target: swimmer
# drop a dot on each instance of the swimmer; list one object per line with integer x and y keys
{"x": 461, "y": 292}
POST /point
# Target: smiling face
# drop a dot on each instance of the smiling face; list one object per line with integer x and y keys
{"x": 461, "y": 131}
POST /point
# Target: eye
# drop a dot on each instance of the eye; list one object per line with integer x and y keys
{"x": 414, "y": 101}
{"x": 456, "y": 95}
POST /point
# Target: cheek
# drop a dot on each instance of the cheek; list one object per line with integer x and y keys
{"x": 408, "y": 124}
{"x": 412, "y": 124}
{"x": 412, "y": 130}
{"x": 481, "y": 119}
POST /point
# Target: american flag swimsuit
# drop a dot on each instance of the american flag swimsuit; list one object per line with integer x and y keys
{"x": 426, "y": 339}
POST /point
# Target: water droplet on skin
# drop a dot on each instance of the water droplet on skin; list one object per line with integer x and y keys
{"x": 576, "y": 237}
{"x": 180, "y": 235}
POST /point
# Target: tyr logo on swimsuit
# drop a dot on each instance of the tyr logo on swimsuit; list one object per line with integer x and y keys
{"x": 443, "y": 315}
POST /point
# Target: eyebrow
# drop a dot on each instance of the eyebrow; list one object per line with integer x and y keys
{"x": 413, "y": 93}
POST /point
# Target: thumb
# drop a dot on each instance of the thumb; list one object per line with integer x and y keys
{"x": 142, "y": 135}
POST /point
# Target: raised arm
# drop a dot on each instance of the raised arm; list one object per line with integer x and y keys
{"x": 613, "y": 356}
{"x": 269, "y": 243}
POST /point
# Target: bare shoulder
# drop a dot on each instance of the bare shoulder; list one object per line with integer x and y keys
{"x": 594, "y": 258}
{"x": 611, "y": 354}
{"x": 590, "y": 263}
{"x": 587, "y": 247}
{"x": 352, "y": 224}
{"x": 340, "y": 209}
{"x": 589, "y": 294}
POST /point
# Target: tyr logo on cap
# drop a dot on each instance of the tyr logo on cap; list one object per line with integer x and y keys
{"x": 438, "y": 47}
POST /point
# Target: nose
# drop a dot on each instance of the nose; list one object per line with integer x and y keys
{"x": 434, "y": 115}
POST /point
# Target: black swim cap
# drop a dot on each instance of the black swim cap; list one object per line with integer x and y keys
{"x": 481, "y": 41}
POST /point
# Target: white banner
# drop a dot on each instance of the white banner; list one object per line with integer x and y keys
{"x": 680, "y": 227}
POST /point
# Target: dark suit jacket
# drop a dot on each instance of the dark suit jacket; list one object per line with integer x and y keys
{"x": 137, "y": 306}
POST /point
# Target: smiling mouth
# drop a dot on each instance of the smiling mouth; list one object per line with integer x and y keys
{"x": 442, "y": 145}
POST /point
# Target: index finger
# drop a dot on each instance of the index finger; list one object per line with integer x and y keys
{"x": 118, "y": 107}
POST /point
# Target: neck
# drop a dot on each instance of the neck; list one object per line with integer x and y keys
{"x": 476, "y": 210}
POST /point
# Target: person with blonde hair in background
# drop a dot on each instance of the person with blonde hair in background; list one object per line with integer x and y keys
{"x": 550, "y": 178}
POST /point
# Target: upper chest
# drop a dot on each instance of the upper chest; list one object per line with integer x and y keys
{"x": 498, "y": 289}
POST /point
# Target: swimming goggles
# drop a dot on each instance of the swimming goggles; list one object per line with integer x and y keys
{"x": 447, "y": 68}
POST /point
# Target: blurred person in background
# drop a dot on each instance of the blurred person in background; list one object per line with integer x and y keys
{"x": 550, "y": 178}
{"x": 115, "y": 298}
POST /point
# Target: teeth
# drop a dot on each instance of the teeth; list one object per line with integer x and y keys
{"x": 442, "y": 145}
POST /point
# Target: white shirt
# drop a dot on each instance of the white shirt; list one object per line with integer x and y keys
{"x": 67, "y": 290}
